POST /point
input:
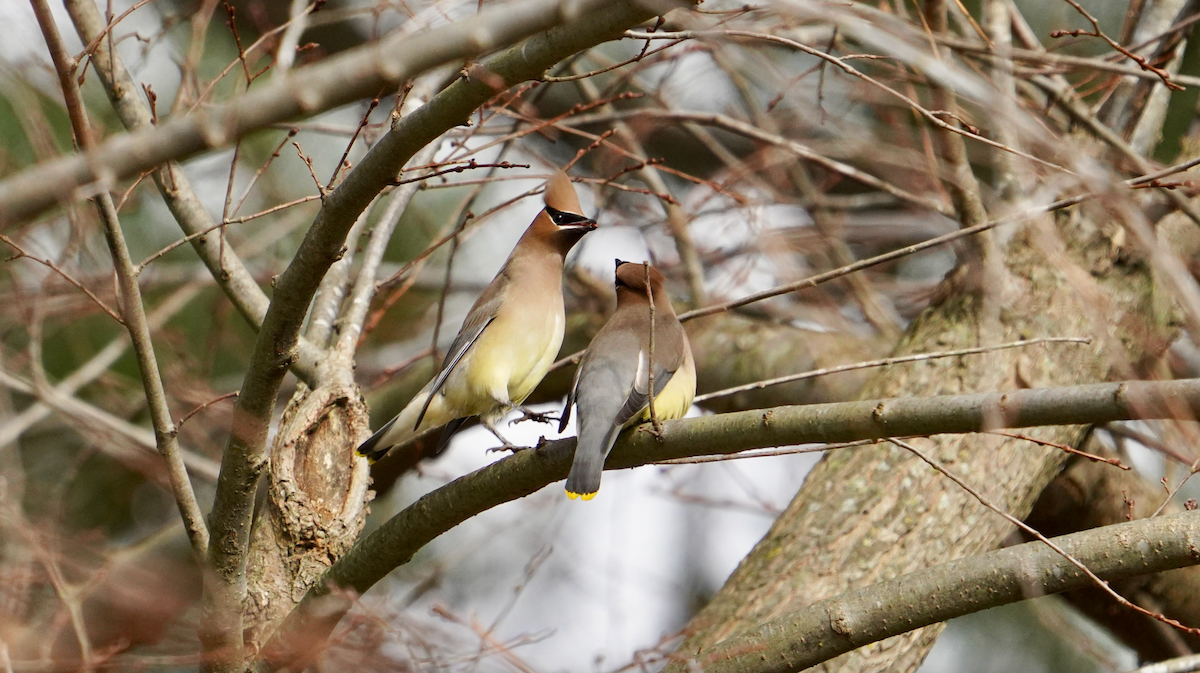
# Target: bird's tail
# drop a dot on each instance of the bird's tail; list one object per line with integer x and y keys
{"x": 590, "y": 451}
{"x": 396, "y": 431}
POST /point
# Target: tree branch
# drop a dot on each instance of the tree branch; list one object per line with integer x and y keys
{"x": 54, "y": 399}
{"x": 97, "y": 365}
{"x": 133, "y": 311}
{"x": 869, "y": 614}
{"x": 351, "y": 321}
{"x": 1088, "y": 495}
{"x": 396, "y": 541}
{"x": 357, "y": 73}
{"x": 223, "y": 262}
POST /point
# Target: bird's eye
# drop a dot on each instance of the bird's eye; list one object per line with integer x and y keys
{"x": 562, "y": 219}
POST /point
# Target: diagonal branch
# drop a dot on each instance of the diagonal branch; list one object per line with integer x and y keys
{"x": 396, "y": 541}
{"x": 335, "y": 81}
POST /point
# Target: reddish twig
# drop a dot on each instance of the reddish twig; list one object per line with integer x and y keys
{"x": 470, "y": 165}
{"x": 1104, "y": 586}
{"x": 204, "y": 406}
{"x": 1062, "y": 447}
{"x": 20, "y": 253}
{"x": 1096, "y": 32}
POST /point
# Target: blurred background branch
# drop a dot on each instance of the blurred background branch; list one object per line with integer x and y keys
{"x": 334, "y": 182}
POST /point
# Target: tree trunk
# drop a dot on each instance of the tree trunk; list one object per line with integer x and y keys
{"x": 876, "y": 512}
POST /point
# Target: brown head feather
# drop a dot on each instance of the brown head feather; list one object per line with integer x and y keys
{"x": 631, "y": 285}
{"x": 560, "y": 194}
{"x": 543, "y": 232}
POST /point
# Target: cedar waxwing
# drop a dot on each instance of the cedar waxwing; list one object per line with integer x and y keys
{"x": 509, "y": 338}
{"x": 612, "y": 382}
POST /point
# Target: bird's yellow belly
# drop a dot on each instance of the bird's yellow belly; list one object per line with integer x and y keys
{"x": 676, "y": 397}
{"x": 507, "y": 362}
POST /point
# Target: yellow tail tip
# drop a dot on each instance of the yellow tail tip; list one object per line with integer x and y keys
{"x": 582, "y": 496}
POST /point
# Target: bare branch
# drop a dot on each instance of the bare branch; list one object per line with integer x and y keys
{"x": 855, "y": 618}
{"x": 883, "y": 362}
{"x": 95, "y": 367}
{"x": 274, "y": 351}
{"x": 398, "y": 539}
{"x": 355, "y": 74}
{"x": 132, "y": 309}
{"x": 75, "y": 408}
{"x": 799, "y": 149}
{"x": 355, "y": 313}
{"x": 226, "y": 267}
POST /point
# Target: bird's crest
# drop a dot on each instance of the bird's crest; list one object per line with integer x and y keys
{"x": 560, "y": 194}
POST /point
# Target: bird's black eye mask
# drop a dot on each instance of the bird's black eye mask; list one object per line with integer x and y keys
{"x": 563, "y": 219}
{"x": 619, "y": 282}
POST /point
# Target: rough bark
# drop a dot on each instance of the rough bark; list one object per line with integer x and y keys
{"x": 870, "y": 514}
{"x": 315, "y": 505}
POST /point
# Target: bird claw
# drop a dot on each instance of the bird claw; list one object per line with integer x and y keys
{"x": 537, "y": 416}
{"x": 513, "y": 448}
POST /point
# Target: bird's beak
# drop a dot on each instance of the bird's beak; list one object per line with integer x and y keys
{"x": 582, "y": 225}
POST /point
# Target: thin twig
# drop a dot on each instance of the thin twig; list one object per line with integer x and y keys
{"x": 650, "y": 358}
{"x": 291, "y": 133}
{"x": 1152, "y": 443}
{"x": 223, "y": 263}
{"x": 767, "y": 453}
{"x": 1096, "y": 32}
{"x": 1063, "y": 447}
{"x": 95, "y": 367}
{"x": 677, "y": 220}
{"x": 799, "y": 149}
{"x": 20, "y": 253}
{"x": 470, "y": 165}
{"x": 883, "y": 362}
{"x": 73, "y": 408}
{"x": 342, "y": 162}
{"x": 929, "y": 115}
{"x": 183, "y": 419}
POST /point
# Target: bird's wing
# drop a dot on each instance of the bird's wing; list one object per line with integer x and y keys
{"x": 670, "y": 345}
{"x": 605, "y": 378}
{"x": 638, "y": 394}
{"x": 482, "y": 314}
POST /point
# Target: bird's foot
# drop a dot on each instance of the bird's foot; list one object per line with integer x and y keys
{"x": 508, "y": 447}
{"x": 536, "y": 416}
{"x": 505, "y": 445}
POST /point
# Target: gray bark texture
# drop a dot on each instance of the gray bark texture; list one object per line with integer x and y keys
{"x": 315, "y": 507}
{"x": 871, "y": 514}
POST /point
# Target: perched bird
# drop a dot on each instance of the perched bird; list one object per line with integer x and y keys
{"x": 611, "y": 389}
{"x": 509, "y": 338}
